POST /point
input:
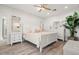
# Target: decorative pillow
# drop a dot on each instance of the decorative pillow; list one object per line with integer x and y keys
{"x": 30, "y": 31}
{"x": 39, "y": 29}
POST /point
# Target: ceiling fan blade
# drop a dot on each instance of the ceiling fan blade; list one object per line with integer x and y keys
{"x": 44, "y": 5}
{"x": 40, "y": 10}
{"x": 36, "y": 6}
{"x": 50, "y": 9}
{"x": 54, "y": 10}
{"x": 47, "y": 8}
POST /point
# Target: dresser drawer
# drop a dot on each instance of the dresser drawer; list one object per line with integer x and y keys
{"x": 14, "y": 41}
{"x": 16, "y": 37}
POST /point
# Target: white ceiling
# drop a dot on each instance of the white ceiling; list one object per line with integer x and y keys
{"x": 32, "y": 10}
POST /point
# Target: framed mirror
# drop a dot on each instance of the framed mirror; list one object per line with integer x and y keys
{"x": 15, "y": 24}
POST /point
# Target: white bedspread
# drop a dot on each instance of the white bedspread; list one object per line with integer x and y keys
{"x": 41, "y": 39}
{"x": 39, "y": 33}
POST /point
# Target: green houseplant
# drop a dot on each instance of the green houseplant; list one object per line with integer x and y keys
{"x": 72, "y": 22}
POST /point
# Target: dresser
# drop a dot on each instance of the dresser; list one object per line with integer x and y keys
{"x": 15, "y": 37}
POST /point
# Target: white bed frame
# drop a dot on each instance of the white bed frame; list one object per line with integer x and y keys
{"x": 41, "y": 40}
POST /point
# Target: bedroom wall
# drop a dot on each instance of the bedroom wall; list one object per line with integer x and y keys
{"x": 50, "y": 25}
{"x": 28, "y": 21}
{"x": 59, "y": 18}
{"x": 31, "y": 22}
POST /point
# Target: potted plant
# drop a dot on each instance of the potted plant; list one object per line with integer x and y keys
{"x": 72, "y": 22}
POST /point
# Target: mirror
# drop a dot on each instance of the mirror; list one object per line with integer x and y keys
{"x": 15, "y": 24}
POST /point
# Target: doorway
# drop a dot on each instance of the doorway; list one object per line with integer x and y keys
{"x": 2, "y": 32}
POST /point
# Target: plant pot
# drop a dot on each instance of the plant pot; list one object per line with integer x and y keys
{"x": 70, "y": 38}
{"x": 76, "y": 38}
{"x": 73, "y": 38}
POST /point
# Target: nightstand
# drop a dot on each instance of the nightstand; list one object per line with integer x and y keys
{"x": 15, "y": 37}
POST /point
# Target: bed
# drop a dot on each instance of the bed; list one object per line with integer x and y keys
{"x": 41, "y": 39}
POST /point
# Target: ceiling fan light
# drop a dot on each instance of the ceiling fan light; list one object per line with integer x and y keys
{"x": 66, "y": 7}
{"x": 43, "y": 9}
{"x": 38, "y": 9}
{"x": 48, "y": 13}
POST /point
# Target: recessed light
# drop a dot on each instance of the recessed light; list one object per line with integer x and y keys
{"x": 66, "y": 7}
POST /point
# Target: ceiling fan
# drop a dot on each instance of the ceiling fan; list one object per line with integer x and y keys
{"x": 43, "y": 7}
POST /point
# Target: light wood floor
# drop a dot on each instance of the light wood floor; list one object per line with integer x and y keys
{"x": 27, "y": 48}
